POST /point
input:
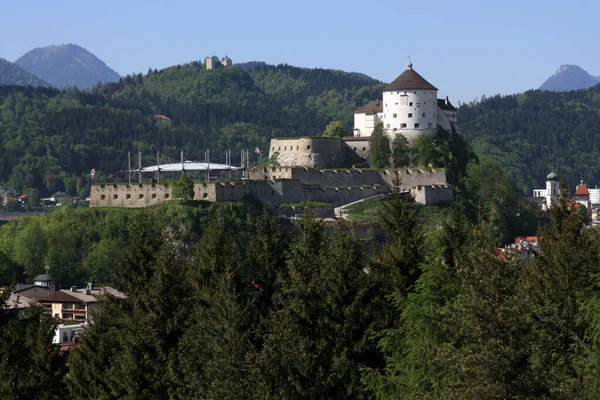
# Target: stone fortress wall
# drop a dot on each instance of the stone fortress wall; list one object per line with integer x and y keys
{"x": 316, "y": 152}
{"x": 288, "y": 182}
{"x": 410, "y": 177}
{"x": 284, "y": 191}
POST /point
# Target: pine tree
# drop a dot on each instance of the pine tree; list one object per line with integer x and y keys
{"x": 400, "y": 152}
{"x": 410, "y": 348}
{"x": 558, "y": 286}
{"x": 379, "y": 150}
{"x": 485, "y": 354}
{"x": 315, "y": 338}
{"x": 30, "y": 365}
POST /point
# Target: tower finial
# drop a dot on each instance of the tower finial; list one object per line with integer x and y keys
{"x": 409, "y": 63}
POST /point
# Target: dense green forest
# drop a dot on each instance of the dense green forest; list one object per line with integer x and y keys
{"x": 535, "y": 132}
{"x": 226, "y": 302}
{"x": 51, "y": 139}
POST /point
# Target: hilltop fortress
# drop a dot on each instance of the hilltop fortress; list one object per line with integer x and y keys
{"x": 409, "y": 107}
{"x": 324, "y": 169}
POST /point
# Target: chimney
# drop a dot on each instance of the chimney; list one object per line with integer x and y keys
{"x": 447, "y": 101}
{"x": 73, "y": 288}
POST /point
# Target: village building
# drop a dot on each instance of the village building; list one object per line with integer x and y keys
{"x": 76, "y": 304}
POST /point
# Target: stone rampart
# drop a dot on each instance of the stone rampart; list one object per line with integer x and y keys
{"x": 409, "y": 177}
{"x": 124, "y": 195}
{"x": 314, "y": 151}
{"x": 434, "y": 194}
{"x": 291, "y": 185}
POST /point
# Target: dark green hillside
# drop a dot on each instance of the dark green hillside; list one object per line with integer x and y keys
{"x": 330, "y": 93}
{"x": 12, "y": 74}
{"x": 50, "y": 139}
{"x": 535, "y": 132}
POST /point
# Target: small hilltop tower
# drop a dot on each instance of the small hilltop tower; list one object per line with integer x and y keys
{"x": 214, "y": 63}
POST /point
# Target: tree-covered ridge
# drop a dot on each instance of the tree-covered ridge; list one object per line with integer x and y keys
{"x": 532, "y": 133}
{"x": 230, "y": 304}
{"x": 12, "y": 74}
{"x": 50, "y": 140}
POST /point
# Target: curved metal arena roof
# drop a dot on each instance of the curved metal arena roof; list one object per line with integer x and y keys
{"x": 188, "y": 166}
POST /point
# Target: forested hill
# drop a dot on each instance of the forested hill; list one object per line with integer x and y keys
{"x": 12, "y": 74}
{"x": 50, "y": 139}
{"x": 67, "y": 66}
{"x": 535, "y": 132}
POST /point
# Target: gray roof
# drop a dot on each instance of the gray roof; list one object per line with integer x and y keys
{"x": 43, "y": 278}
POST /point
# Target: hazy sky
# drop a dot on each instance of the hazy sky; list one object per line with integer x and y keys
{"x": 465, "y": 48}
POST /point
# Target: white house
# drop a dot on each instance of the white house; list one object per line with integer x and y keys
{"x": 409, "y": 106}
{"x": 594, "y": 195}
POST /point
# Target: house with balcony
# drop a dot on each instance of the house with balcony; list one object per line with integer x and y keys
{"x": 76, "y": 305}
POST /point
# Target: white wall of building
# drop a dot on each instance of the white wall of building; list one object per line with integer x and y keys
{"x": 539, "y": 192}
{"x": 364, "y": 124}
{"x": 65, "y": 333}
{"x": 552, "y": 192}
{"x": 594, "y": 195}
{"x": 410, "y": 112}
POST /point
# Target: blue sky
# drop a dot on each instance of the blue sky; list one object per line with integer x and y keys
{"x": 466, "y": 48}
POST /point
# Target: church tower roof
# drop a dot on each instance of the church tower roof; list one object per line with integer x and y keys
{"x": 409, "y": 80}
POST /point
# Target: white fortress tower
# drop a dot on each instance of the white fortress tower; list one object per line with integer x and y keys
{"x": 409, "y": 107}
{"x": 552, "y": 190}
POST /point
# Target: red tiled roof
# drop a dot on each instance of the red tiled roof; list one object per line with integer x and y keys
{"x": 582, "y": 190}
{"x": 409, "y": 80}
{"x": 525, "y": 238}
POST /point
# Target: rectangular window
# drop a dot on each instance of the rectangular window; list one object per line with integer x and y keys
{"x": 429, "y": 125}
{"x": 417, "y": 125}
{"x": 308, "y": 147}
{"x": 424, "y": 115}
{"x": 409, "y": 115}
{"x": 395, "y": 116}
{"x": 402, "y": 125}
{"x": 388, "y": 125}
{"x": 410, "y": 104}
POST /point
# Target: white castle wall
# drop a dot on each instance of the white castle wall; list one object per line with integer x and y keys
{"x": 411, "y": 113}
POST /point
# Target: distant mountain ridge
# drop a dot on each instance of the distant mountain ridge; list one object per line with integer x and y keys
{"x": 67, "y": 66}
{"x": 12, "y": 74}
{"x": 570, "y": 77}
